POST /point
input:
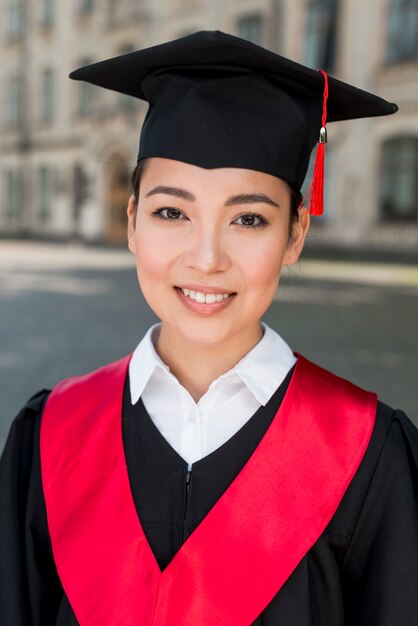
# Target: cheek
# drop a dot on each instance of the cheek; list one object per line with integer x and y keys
{"x": 152, "y": 254}
{"x": 262, "y": 266}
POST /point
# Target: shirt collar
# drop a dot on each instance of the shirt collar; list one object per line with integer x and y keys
{"x": 266, "y": 366}
{"x": 145, "y": 360}
{"x": 262, "y": 370}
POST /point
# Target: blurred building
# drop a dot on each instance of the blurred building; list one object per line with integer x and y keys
{"x": 67, "y": 148}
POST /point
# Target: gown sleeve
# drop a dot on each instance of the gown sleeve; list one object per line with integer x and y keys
{"x": 380, "y": 569}
{"x": 30, "y": 590}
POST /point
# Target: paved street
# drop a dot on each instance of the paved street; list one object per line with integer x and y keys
{"x": 66, "y": 309}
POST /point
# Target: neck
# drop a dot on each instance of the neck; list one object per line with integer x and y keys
{"x": 184, "y": 358}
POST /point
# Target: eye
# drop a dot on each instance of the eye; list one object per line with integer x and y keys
{"x": 250, "y": 220}
{"x": 169, "y": 214}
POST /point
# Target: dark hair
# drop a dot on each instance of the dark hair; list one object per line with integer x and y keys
{"x": 295, "y": 194}
{"x": 136, "y": 176}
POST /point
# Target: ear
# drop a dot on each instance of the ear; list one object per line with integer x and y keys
{"x": 297, "y": 239}
{"x": 131, "y": 224}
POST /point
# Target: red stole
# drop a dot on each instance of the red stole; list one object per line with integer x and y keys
{"x": 238, "y": 558}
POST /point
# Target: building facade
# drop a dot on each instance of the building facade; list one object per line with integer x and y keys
{"x": 67, "y": 149}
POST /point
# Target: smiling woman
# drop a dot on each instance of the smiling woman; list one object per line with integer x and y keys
{"x": 213, "y": 476}
{"x": 225, "y": 232}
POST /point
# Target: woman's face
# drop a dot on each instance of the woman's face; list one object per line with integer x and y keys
{"x": 209, "y": 247}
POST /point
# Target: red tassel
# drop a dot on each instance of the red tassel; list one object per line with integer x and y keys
{"x": 316, "y": 190}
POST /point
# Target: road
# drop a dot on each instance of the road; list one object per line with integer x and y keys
{"x": 66, "y": 309}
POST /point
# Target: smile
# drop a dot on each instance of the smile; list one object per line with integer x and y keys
{"x": 205, "y": 300}
{"x": 208, "y": 298}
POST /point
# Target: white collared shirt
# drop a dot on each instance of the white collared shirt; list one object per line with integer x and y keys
{"x": 193, "y": 429}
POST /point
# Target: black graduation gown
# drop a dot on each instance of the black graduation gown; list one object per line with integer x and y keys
{"x": 363, "y": 570}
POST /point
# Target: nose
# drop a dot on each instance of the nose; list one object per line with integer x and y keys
{"x": 206, "y": 252}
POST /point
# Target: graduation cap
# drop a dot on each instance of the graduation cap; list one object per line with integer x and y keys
{"x": 216, "y": 100}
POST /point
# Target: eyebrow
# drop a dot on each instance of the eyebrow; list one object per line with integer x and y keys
{"x": 242, "y": 198}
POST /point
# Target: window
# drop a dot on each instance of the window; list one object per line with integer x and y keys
{"x": 44, "y": 193}
{"x": 15, "y": 104}
{"x": 251, "y": 28}
{"x": 47, "y": 95}
{"x": 85, "y": 6}
{"x": 124, "y": 12}
{"x": 402, "y": 37}
{"x": 13, "y": 189}
{"x": 81, "y": 190}
{"x": 112, "y": 12}
{"x": 15, "y": 18}
{"x": 87, "y": 94}
{"x": 47, "y": 16}
{"x": 399, "y": 181}
{"x": 183, "y": 6}
{"x": 321, "y": 34}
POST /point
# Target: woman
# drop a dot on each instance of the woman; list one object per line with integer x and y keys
{"x": 214, "y": 477}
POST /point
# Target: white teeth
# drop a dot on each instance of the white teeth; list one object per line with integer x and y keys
{"x": 208, "y": 298}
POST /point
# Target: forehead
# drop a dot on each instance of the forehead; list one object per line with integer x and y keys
{"x": 178, "y": 173}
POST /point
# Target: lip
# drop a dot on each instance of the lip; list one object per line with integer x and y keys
{"x": 205, "y": 289}
{"x": 203, "y": 308}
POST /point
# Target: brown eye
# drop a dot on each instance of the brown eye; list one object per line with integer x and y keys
{"x": 250, "y": 220}
{"x": 169, "y": 213}
{"x": 172, "y": 214}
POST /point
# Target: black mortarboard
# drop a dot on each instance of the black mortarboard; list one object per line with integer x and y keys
{"x": 216, "y": 100}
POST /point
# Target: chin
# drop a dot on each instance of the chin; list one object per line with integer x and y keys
{"x": 203, "y": 332}
{"x": 207, "y": 332}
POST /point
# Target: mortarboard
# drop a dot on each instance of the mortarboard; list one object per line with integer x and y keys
{"x": 216, "y": 100}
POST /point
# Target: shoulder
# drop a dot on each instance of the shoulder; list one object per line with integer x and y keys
{"x": 36, "y": 402}
{"x": 26, "y": 424}
{"x": 95, "y": 381}
{"x": 388, "y": 468}
{"x": 397, "y": 439}
{"x": 23, "y": 435}
{"x": 393, "y": 432}
{"x": 30, "y": 412}
{"x": 387, "y": 421}
{"x": 393, "y": 445}
{"x": 20, "y": 463}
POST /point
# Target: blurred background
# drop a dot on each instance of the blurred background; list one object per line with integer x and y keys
{"x": 68, "y": 289}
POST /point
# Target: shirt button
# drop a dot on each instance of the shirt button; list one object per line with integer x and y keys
{"x": 192, "y": 416}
